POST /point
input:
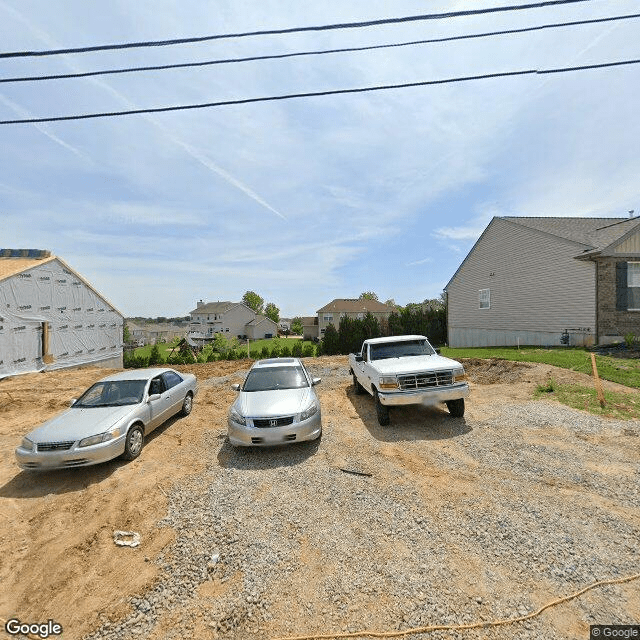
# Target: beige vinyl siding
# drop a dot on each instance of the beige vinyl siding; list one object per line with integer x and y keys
{"x": 536, "y": 287}
{"x": 629, "y": 246}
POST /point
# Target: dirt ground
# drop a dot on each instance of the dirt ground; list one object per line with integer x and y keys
{"x": 57, "y": 556}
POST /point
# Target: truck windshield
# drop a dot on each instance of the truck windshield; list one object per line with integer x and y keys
{"x": 400, "y": 349}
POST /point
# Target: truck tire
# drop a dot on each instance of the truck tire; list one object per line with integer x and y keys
{"x": 357, "y": 387}
{"x": 381, "y": 410}
{"x": 456, "y": 407}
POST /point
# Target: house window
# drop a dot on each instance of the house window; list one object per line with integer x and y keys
{"x": 328, "y": 318}
{"x": 484, "y": 296}
{"x": 628, "y": 286}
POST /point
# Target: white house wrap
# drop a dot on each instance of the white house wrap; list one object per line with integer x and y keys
{"x": 51, "y": 317}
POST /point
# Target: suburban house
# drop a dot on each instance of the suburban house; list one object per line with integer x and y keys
{"x": 51, "y": 317}
{"x": 310, "y": 327}
{"x": 350, "y": 307}
{"x": 232, "y": 319}
{"x": 548, "y": 281}
{"x": 155, "y": 332}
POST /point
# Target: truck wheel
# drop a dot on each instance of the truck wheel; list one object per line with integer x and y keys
{"x": 381, "y": 410}
{"x": 358, "y": 388}
{"x": 456, "y": 407}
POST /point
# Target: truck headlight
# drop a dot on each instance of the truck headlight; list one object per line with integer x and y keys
{"x": 388, "y": 382}
{"x": 458, "y": 375}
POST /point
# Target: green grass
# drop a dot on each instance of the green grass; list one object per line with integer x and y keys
{"x": 620, "y": 370}
{"x": 623, "y": 406}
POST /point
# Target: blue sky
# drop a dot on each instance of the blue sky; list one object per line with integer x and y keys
{"x": 312, "y": 199}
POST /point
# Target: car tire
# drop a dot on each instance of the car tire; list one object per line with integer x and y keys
{"x": 381, "y": 410}
{"x": 187, "y": 405}
{"x": 133, "y": 443}
{"x": 358, "y": 388}
{"x": 456, "y": 407}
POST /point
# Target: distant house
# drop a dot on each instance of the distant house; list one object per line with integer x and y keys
{"x": 155, "y": 332}
{"x": 351, "y": 307}
{"x": 51, "y": 317}
{"x": 548, "y": 281}
{"x": 232, "y": 319}
{"x": 309, "y": 327}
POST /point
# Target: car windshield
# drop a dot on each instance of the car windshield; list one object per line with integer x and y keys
{"x": 114, "y": 393}
{"x": 401, "y": 349}
{"x": 272, "y": 378}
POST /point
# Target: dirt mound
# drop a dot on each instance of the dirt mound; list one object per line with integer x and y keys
{"x": 493, "y": 370}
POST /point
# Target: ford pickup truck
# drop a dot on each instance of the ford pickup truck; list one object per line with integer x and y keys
{"x": 402, "y": 370}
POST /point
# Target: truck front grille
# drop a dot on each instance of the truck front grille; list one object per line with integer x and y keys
{"x": 425, "y": 380}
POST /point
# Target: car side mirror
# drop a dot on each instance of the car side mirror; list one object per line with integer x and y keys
{"x": 154, "y": 396}
{"x": 235, "y": 387}
{"x": 73, "y": 401}
{"x": 437, "y": 349}
{"x": 359, "y": 357}
{"x": 316, "y": 381}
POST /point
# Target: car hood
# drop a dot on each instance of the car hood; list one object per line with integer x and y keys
{"x": 414, "y": 364}
{"x": 77, "y": 423}
{"x": 263, "y": 404}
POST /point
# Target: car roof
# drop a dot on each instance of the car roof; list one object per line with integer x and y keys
{"x": 276, "y": 362}
{"x": 137, "y": 374}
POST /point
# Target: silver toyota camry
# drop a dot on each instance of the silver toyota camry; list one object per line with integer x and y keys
{"x": 276, "y": 404}
{"x": 110, "y": 419}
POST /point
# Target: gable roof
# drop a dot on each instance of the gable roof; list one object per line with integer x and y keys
{"x": 15, "y": 261}
{"x": 355, "y": 305}
{"x": 594, "y": 234}
{"x": 214, "y": 307}
{"x": 259, "y": 319}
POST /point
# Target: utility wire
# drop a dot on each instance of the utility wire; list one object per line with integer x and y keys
{"x": 280, "y": 56}
{"x": 325, "y": 27}
{"x": 290, "y": 96}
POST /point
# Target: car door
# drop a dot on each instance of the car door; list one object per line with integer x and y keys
{"x": 160, "y": 407}
{"x": 174, "y": 390}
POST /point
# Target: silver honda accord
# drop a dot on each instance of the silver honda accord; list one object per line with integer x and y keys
{"x": 277, "y": 404}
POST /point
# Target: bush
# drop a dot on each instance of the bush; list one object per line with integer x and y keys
{"x": 296, "y": 349}
{"x": 275, "y": 349}
{"x": 135, "y": 362}
{"x": 155, "y": 357}
{"x": 264, "y": 352}
{"x": 308, "y": 350}
{"x": 285, "y": 351}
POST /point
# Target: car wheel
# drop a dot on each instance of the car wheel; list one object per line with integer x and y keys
{"x": 133, "y": 443}
{"x": 359, "y": 389}
{"x": 187, "y": 405}
{"x": 456, "y": 407}
{"x": 381, "y": 410}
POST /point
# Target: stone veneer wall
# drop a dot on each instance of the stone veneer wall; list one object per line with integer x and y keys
{"x": 611, "y": 322}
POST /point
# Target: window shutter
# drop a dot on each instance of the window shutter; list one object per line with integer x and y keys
{"x": 622, "y": 291}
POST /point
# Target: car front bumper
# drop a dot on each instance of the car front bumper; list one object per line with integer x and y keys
{"x": 427, "y": 397}
{"x": 74, "y": 457}
{"x": 245, "y": 436}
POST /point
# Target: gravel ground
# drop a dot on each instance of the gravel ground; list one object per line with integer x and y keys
{"x": 432, "y": 520}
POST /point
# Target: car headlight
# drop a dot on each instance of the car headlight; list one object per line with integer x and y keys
{"x": 237, "y": 418}
{"x": 101, "y": 437}
{"x": 307, "y": 413}
{"x": 27, "y": 444}
{"x": 458, "y": 375}
{"x": 388, "y": 382}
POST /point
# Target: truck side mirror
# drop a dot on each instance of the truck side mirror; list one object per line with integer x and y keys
{"x": 359, "y": 357}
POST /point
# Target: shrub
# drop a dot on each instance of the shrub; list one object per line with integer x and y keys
{"x": 155, "y": 357}
{"x": 630, "y": 340}
{"x": 296, "y": 349}
{"x": 264, "y": 352}
{"x": 308, "y": 350}
{"x": 285, "y": 351}
{"x": 275, "y": 349}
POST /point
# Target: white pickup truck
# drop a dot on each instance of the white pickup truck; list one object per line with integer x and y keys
{"x": 407, "y": 370}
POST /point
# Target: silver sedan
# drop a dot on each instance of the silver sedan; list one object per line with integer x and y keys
{"x": 277, "y": 404}
{"x": 110, "y": 419}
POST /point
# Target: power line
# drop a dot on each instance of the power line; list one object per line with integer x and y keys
{"x": 280, "y": 56}
{"x": 290, "y": 96}
{"x": 265, "y": 32}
